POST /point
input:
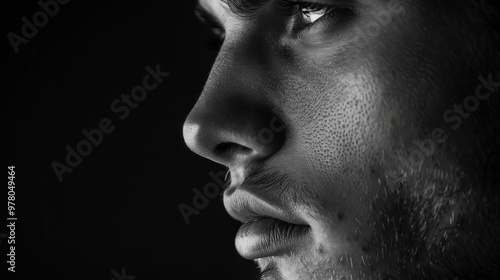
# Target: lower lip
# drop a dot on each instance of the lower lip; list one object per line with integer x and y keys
{"x": 268, "y": 237}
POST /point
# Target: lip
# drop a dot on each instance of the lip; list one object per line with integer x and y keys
{"x": 268, "y": 229}
{"x": 268, "y": 237}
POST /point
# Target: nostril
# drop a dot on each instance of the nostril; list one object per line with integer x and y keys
{"x": 228, "y": 149}
{"x": 236, "y": 134}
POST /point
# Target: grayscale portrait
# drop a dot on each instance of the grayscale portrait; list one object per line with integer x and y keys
{"x": 361, "y": 137}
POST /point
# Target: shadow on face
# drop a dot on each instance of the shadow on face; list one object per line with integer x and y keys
{"x": 361, "y": 136}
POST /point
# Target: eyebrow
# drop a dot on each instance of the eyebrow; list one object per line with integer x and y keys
{"x": 244, "y": 8}
{"x": 241, "y": 8}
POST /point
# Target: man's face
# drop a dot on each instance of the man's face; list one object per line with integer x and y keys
{"x": 333, "y": 119}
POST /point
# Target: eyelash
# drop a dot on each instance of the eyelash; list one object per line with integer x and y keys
{"x": 335, "y": 18}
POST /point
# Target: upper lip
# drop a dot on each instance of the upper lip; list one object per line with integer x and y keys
{"x": 246, "y": 207}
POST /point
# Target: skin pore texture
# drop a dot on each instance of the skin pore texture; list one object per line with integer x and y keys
{"x": 385, "y": 153}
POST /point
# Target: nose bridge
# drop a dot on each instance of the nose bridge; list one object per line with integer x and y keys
{"x": 233, "y": 86}
{"x": 231, "y": 74}
{"x": 231, "y": 120}
{"x": 242, "y": 62}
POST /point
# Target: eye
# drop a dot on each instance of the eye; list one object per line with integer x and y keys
{"x": 310, "y": 12}
{"x": 306, "y": 13}
{"x": 317, "y": 22}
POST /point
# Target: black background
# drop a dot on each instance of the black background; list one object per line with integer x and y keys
{"x": 119, "y": 207}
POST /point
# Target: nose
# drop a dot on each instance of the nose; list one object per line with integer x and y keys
{"x": 233, "y": 132}
{"x": 233, "y": 122}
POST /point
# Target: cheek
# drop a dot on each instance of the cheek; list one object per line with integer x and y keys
{"x": 338, "y": 120}
{"x": 338, "y": 123}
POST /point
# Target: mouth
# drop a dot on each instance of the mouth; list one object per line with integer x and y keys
{"x": 267, "y": 237}
{"x": 270, "y": 225}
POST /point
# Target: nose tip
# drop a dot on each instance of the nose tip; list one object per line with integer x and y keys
{"x": 231, "y": 138}
{"x": 190, "y": 131}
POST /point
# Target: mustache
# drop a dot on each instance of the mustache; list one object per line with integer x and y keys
{"x": 263, "y": 179}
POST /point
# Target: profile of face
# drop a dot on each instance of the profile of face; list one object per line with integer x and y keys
{"x": 361, "y": 136}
